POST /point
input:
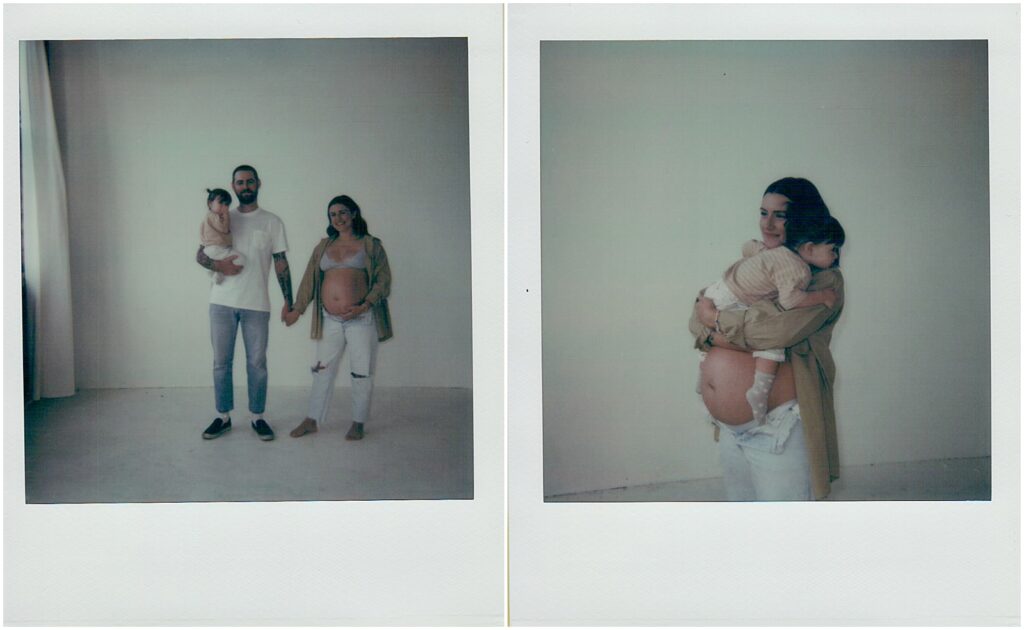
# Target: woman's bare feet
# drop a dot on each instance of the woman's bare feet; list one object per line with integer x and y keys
{"x": 355, "y": 432}
{"x": 306, "y": 426}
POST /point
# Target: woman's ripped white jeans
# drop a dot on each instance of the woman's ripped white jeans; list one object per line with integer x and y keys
{"x": 359, "y": 336}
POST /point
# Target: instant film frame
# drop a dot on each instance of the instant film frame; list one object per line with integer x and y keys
{"x": 654, "y": 155}
{"x": 718, "y": 563}
{"x": 416, "y": 562}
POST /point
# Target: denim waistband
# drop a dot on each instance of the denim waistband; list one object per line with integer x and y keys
{"x": 368, "y": 315}
{"x": 774, "y": 419}
{"x": 770, "y": 436}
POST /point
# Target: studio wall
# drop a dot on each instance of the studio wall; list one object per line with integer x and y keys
{"x": 146, "y": 126}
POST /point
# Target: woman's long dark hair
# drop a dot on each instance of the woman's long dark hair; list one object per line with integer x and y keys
{"x": 808, "y": 219}
{"x": 359, "y": 228}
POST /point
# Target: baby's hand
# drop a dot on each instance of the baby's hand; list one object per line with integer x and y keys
{"x": 829, "y": 297}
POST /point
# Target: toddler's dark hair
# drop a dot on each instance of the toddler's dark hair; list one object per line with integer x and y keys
{"x": 218, "y": 193}
{"x": 827, "y": 230}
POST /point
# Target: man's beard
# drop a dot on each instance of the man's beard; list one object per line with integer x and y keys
{"x": 248, "y": 196}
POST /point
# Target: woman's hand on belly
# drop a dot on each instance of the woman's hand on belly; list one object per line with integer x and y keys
{"x": 726, "y": 375}
{"x": 351, "y": 312}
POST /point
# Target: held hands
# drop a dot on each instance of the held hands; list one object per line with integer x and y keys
{"x": 227, "y": 266}
{"x": 289, "y": 316}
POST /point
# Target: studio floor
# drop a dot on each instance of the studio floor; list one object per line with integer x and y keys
{"x": 146, "y": 445}
{"x": 964, "y": 479}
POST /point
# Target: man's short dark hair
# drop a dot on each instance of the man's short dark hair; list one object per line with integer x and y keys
{"x": 244, "y": 167}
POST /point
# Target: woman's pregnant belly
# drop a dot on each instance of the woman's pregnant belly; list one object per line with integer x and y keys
{"x": 343, "y": 288}
{"x": 726, "y": 375}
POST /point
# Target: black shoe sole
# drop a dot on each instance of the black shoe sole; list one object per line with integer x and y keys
{"x": 265, "y": 438}
{"x": 211, "y": 436}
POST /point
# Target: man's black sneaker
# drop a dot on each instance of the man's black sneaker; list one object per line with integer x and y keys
{"x": 217, "y": 428}
{"x": 263, "y": 430}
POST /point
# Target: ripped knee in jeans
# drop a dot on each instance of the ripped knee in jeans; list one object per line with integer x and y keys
{"x": 354, "y": 375}
{"x": 318, "y": 367}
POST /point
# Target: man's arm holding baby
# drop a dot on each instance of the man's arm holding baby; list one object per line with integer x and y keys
{"x": 226, "y": 266}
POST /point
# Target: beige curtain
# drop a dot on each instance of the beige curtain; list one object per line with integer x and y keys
{"x": 49, "y": 342}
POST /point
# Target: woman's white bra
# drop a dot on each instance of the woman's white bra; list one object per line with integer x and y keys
{"x": 355, "y": 261}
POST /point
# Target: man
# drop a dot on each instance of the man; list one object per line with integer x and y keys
{"x": 242, "y": 299}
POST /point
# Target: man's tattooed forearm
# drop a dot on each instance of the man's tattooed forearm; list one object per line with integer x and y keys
{"x": 284, "y": 277}
{"x": 204, "y": 260}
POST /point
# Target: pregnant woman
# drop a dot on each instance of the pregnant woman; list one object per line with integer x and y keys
{"x": 348, "y": 279}
{"x": 794, "y": 454}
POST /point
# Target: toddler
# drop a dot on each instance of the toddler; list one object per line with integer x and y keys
{"x": 215, "y": 232}
{"x": 783, "y": 273}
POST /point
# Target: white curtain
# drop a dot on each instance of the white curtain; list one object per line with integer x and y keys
{"x": 49, "y": 343}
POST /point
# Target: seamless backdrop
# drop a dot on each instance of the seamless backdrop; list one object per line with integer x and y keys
{"x": 148, "y": 125}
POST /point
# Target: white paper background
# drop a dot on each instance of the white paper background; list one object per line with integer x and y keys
{"x": 385, "y": 563}
{"x": 810, "y": 563}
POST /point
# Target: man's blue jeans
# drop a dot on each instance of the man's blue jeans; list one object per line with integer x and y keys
{"x": 224, "y": 323}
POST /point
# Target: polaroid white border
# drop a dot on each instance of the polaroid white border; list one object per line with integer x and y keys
{"x": 854, "y": 563}
{"x": 363, "y": 563}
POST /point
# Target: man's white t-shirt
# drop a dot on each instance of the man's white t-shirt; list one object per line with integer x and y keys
{"x": 256, "y": 235}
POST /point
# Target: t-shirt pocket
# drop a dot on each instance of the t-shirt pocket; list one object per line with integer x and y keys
{"x": 261, "y": 240}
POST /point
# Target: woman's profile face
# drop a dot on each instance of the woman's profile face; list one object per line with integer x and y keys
{"x": 773, "y": 219}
